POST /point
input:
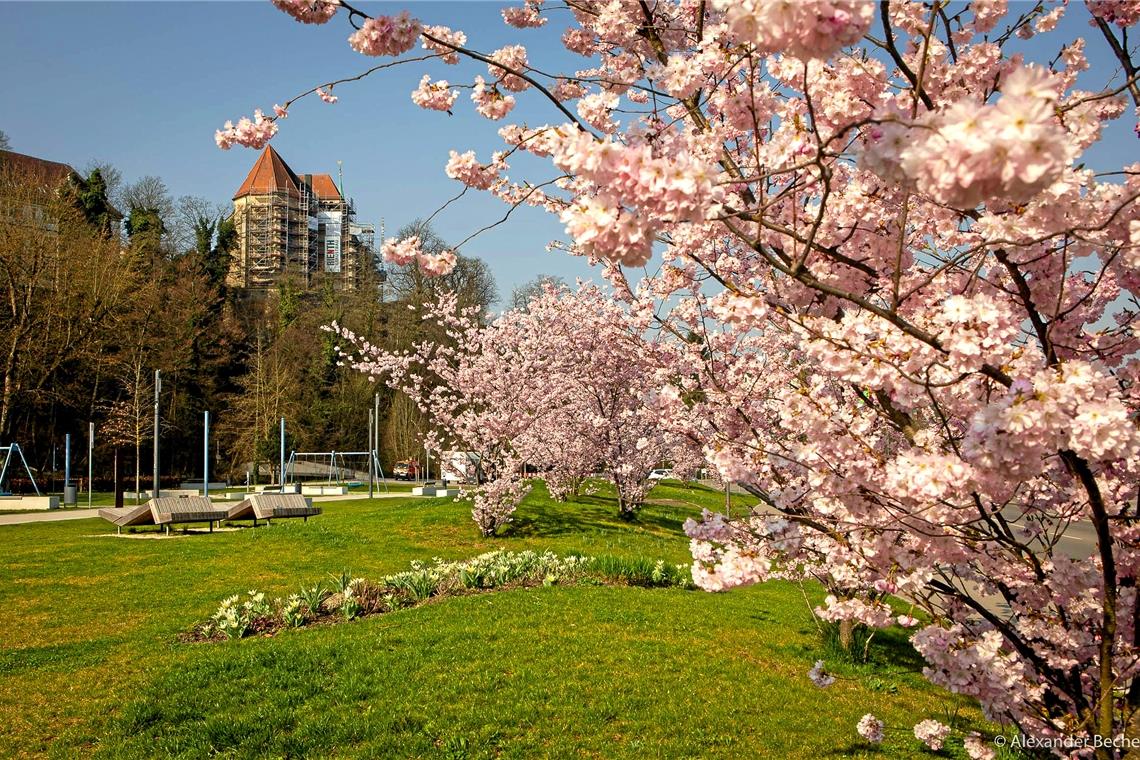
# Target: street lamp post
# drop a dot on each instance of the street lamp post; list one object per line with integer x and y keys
{"x": 206, "y": 454}
{"x": 157, "y": 391}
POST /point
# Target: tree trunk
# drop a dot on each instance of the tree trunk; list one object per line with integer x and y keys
{"x": 846, "y": 634}
{"x": 138, "y": 472}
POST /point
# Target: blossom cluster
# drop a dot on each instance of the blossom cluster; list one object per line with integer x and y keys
{"x": 819, "y": 676}
{"x": 1123, "y": 13}
{"x": 672, "y": 188}
{"x": 968, "y": 153}
{"x": 805, "y": 29}
{"x": 739, "y": 309}
{"x": 444, "y": 43}
{"x": 489, "y": 101}
{"x": 931, "y": 733}
{"x": 1071, "y": 407}
{"x": 466, "y": 168}
{"x": 434, "y": 96}
{"x": 309, "y": 11}
{"x": 407, "y": 250}
{"x": 255, "y": 133}
{"x": 511, "y": 58}
{"x": 870, "y": 728}
{"x": 525, "y": 17}
{"x": 495, "y": 503}
{"x": 386, "y": 35}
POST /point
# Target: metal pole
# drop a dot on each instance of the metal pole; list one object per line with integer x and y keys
{"x": 282, "y": 455}
{"x": 206, "y": 454}
{"x": 371, "y": 466}
{"x": 90, "y": 456}
{"x": 157, "y": 390}
{"x": 66, "y": 463}
{"x": 376, "y": 434}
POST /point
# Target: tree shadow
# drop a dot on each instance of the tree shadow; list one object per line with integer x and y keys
{"x": 591, "y": 513}
{"x": 545, "y": 517}
{"x": 854, "y": 749}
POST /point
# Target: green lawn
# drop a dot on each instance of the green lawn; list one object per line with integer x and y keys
{"x": 91, "y": 663}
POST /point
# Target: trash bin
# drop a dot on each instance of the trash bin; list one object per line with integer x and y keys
{"x": 69, "y": 495}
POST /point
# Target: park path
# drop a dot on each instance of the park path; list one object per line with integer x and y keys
{"x": 20, "y": 518}
{"x": 49, "y": 516}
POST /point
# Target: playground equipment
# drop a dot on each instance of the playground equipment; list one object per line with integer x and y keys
{"x": 345, "y": 468}
{"x": 8, "y": 453}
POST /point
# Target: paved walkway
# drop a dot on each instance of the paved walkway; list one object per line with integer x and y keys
{"x": 53, "y": 515}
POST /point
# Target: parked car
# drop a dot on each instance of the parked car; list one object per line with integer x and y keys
{"x": 406, "y": 470}
{"x": 660, "y": 474}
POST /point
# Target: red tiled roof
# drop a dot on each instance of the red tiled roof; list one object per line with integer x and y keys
{"x": 268, "y": 175}
{"x": 49, "y": 172}
{"x": 324, "y": 187}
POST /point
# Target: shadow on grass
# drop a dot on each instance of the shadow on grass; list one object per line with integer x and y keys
{"x": 591, "y": 513}
{"x": 560, "y": 520}
{"x": 854, "y": 749}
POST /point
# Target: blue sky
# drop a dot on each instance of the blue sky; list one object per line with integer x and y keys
{"x": 143, "y": 85}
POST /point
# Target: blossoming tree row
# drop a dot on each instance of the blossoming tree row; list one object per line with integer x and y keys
{"x": 565, "y": 386}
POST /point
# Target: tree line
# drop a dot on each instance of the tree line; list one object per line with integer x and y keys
{"x": 93, "y": 300}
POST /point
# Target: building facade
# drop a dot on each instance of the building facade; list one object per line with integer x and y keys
{"x": 297, "y": 226}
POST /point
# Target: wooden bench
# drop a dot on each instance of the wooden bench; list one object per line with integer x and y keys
{"x": 271, "y": 506}
{"x": 128, "y": 516}
{"x": 166, "y": 511}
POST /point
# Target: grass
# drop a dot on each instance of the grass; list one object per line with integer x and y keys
{"x": 90, "y": 663}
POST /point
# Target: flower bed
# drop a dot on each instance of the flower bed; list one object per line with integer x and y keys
{"x": 347, "y": 598}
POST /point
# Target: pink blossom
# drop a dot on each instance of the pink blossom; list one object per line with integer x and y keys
{"x": 511, "y": 58}
{"x": 819, "y": 676}
{"x": 977, "y": 748}
{"x": 437, "y": 264}
{"x": 740, "y": 309}
{"x": 449, "y": 39}
{"x": 1123, "y": 13}
{"x": 466, "y": 168}
{"x": 567, "y": 89}
{"x": 326, "y": 95}
{"x": 871, "y": 614}
{"x": 525, "y": 17}
{"x": 434, "y": 95}
{"x": 401, "y": 252}
{"x": 309, "y": 11}
{"x": 987, "y": 13}
{"x": 386, "y": 35}
{"x": 579, "y": 41}
{"x": 251, "y": 134}
{"x": 931, "y": 733}
{"x": 489, "y": 101}
{"x": 806, "y": 29}
{"x": 870, "y": 728}
{"x": 596, "y": 108}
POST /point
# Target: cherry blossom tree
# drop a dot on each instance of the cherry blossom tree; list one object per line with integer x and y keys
{"x": 565, "y": 385}
{"x": 902, "y": 307}
{"x": 475, "y": 392}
